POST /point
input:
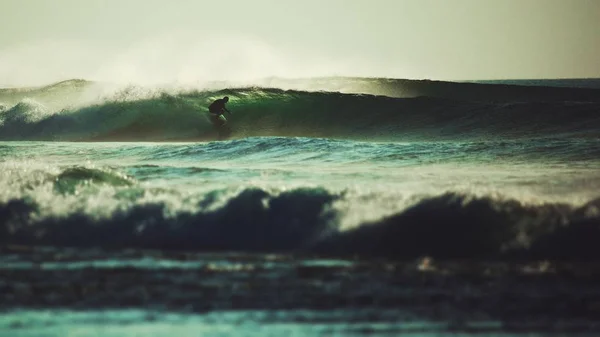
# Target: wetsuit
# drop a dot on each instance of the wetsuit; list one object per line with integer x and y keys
{"x": 216, "y": 109}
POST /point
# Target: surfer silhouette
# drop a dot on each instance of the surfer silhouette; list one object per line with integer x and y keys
{"x": 217, "y": 109}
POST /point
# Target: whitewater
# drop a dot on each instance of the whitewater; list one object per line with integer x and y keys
{"x": 337, "y": 206}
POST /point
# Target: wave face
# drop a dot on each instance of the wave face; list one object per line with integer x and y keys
{"x": 412, "y": 110}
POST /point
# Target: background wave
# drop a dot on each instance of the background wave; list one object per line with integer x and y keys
{"x": 391, "y": 110}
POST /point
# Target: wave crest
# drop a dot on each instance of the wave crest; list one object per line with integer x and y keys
{"x": 305, "y": 220}
{"x": 68, "y": 180}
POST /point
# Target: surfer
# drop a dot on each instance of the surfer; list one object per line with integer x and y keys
{"x": 217, "y": 109}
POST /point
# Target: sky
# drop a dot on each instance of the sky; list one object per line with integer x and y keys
{"x": 190, "y": 41}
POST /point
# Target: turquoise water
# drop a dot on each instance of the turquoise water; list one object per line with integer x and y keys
{"x": 357, "y": 182}
{"x": 294, "y": 323}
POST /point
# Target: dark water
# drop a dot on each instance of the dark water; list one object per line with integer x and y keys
{"x": 591, "y": 83}
{"x": 131, "y": 292}
{"x": 375, "y": 207}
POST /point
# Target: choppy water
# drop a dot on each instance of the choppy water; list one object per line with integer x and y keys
{"x": 287, "y": 194}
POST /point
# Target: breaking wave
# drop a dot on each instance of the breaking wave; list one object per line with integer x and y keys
{"x": 392, "y": 110}
{"x": 305, "y": 220}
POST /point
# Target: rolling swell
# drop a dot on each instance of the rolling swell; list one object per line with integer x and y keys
{"x": 276, "y": 112}
{"x": 304, "y": 220}
{"x": 480, "y": 91}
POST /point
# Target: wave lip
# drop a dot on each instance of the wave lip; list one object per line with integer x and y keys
{"x": 306, "y": 220}
{"x": 494, "y": 91}
{"x": 26, "y": 111}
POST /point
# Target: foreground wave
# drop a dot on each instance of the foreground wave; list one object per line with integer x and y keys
{"x": 450, "y": 225}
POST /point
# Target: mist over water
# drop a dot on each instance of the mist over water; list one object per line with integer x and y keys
{"x": 174, "y": 57}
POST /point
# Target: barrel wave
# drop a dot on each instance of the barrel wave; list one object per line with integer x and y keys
{"x": 386, "y": 110}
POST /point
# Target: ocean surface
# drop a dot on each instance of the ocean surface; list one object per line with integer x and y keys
{"x": 330, "y": 207}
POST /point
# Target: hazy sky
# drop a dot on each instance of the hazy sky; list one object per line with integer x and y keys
{"x": 188, "y": 41}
